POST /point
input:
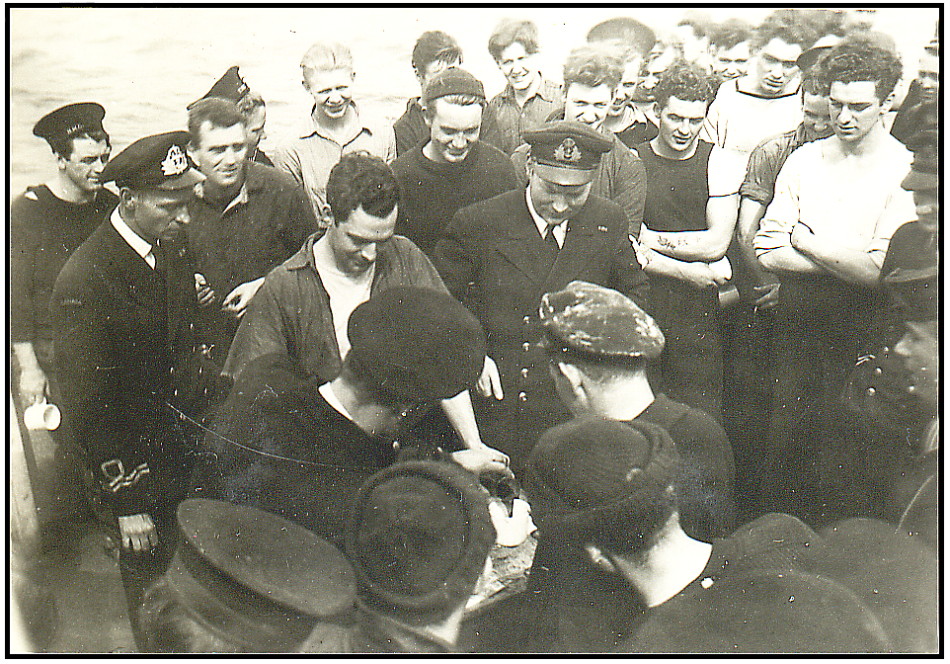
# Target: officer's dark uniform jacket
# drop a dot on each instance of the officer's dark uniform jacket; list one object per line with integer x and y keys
{"x": 492, "y": 258}
{"x": 127, "y": 349}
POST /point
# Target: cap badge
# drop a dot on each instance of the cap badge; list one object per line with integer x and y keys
{"x": 175, "y": 162}
{"x": 568, "y": 151}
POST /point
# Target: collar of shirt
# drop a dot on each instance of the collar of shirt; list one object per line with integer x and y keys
{"x": 312, "y": 128}
{"x": 548, "y": 91}
{"x": 559, "y": 231}
{"x": 139, "y": 246}
{"x": 240, "y": 199}
{"x": 326, "y": 391}
{"x": 304, "y": 257}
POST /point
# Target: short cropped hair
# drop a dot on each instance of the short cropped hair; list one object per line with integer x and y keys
{"x": 685, "y": 81}
{"x": 361, "y": 180}
{"x": 219, "y": 112}
{"x": 510, "y": 31}
{"x": 434, "y": 46}
{"x": 789, "y": 25}
{"x": 730, "y": 33}
{"x": 250, "y": 103}
{"x": 326, "y": 56}
{"x": 592, "y": 66}
{"x": 63, "y": 145}
{"x": 860, "y": 57}
{"x": 460, "y": 99}
{"x": 626, "y": 33}
{"x": 700, "y": 24}
{"x": 814, "y": 81}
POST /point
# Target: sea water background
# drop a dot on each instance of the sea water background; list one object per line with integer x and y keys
{"x": 146, "y": 64}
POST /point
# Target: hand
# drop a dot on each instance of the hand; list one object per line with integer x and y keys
{"x": 482, "y": 460}
{"x": 489, "y": 383}
{"x": 511, "y": 530}
{"x": 203, "y": 290}
{"x": 33, "y": 384}
{"x": 138, "y": 533}
{"x": 642, "y": 254}
{"x": 700, "y": 275}
{"x": 766, "y": 296}
{"x": 237, "y": 300}
{"x": 802, "y": 235}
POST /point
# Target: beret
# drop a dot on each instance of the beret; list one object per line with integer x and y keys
{"x": 923, "y": 170}
{"x": 452, "y": 81}
{"x": 599, "y": 322}
{"x": 255, "y": 576}
{"x": 70, "y": 119}
{"x": 418, "y": 537}
{"x": 160, "y": 162}
{"x": 416, "y": 344}
{"x": 566, "y": 152}
{"x": 230, "y": 86}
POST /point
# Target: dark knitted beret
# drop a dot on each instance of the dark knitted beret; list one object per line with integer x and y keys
{"x": 416, "y": 344}
{"x": 418, "y": 538}
{"x": 591, "y": 473}
{"x": 452, "y": 81}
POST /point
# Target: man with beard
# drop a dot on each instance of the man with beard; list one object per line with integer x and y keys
{"x": 837, "y": 203}
{"x": 246, "y": 218}
{"x": 134, "y": 377}
{"x": 688, "y": 222}
{"x": 591, "y": 77}
{"x": 528, "y": 98}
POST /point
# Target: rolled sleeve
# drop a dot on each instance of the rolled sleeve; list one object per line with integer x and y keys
{"x": 775, "y": 231}
{"x": 898, "y": 211}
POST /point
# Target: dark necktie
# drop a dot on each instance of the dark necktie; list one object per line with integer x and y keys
{"x": 551, "y": 241}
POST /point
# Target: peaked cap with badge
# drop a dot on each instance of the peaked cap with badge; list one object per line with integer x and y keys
{"x": 230, "y": 86}
{"x": 566, "y": 152}
{"x": 155, "y": 162}
{"x": 599, "y": 323}
{"x": 70, "y": 119}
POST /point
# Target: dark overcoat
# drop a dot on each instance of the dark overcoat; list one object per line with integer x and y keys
{"x": 492, "y": 258}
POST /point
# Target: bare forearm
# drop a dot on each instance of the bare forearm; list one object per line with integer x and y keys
{"x": 790, "y": 260}
{"x": 461, "y": 416}
{"x": 706, "y": 246}
{"x": 750, "y": 215}
{"x": 851, "y": 265}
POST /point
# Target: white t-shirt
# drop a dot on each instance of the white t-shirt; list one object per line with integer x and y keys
{"x": 346, "y": 291}
{"x": 857, "y": 201}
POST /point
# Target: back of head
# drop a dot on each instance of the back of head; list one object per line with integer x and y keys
{"x": 510, "y": 31}
{"x": 597, "y": 481}
{"x": 730, "y": 33}
{"x": 221, "y": 113}
{"x": 789, "y": 25}
{"x": 593, "y": 65}
{"x": 326, "y": 56}
{"x": 864, "y": 56}
{"x": 418, "y": 538}
{"x": 685, "y": 81}
{"x": 435, "y": 46}
{"x": 360, "y": 179}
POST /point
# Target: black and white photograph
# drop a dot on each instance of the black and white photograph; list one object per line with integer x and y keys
{"x": 488, "y": 330}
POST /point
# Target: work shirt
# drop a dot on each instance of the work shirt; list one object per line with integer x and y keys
{"x": 766, "y": 161}
{"x": 314, "y": 153}
{"x": 509, "y": 120}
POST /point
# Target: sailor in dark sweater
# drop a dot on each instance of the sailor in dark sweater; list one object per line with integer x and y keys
{"x": 453, "y": 169}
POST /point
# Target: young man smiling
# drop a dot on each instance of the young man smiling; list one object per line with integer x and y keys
{"x": 837, "y": 203}
{"x": 335, "y": 126}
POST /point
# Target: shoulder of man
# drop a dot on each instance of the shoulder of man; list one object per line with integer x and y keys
{"x": 494, "y": 209}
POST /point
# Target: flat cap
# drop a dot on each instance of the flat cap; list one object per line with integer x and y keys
{"x": 418, "y": 537}
{"x": 230, "y": 86}
{"x": 819, "y": 49}
{"x": 70, "y": 119}
{"x": 599, "y": 322}
{"x": 416, "y": 344}
{"x": 452, "y": 81}
{"x": 155, "y": 162}
{"x": 566, "y": 152}
{"x": 258, "y": 577}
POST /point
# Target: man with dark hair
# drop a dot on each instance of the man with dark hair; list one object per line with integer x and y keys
{"x": 920, "y": 102}
{"x": 633, "y": 41}
{"x": 47, "y": 223}
{"x": 434, "y": 52}
{"x": 691, "y": 37}
{"x": 688, "y": 223}
{"x": 411, "y": 598}
{"x": 251, "y": 104}
{"x": 730, "y": 42}
{"x": 303, "y": 308}
{"x": 591, "y": 75}
{"x": 528, "y": 98}
{"x": 246, "y": 218}
{"x": 134, "y": 377}
{"x": 499, "y": 256}
{"x": 837, "y": 203}
{"x": 301, "y": 445}
{"x": 763, "y": 103}
{"x": 453, "y": 168}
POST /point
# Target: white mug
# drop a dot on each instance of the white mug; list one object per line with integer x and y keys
{"x": 42, "y": 416}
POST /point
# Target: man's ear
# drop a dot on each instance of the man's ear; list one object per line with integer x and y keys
{"x": 573, "y": 376}
{"x": 887, "y": 103}
{"x": 426, "y": 118}
{"x": 127, "y": 197}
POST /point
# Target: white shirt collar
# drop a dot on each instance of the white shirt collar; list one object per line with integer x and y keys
{"x": 326, "y": 390}
{"x": 559, "y": 231}
{"x": 241, "y": 197}
{"x": 139, "y": 246}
